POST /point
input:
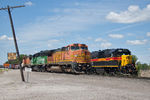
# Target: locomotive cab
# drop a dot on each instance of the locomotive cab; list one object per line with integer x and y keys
{"x": 80, "y": 53}
{"x": 125, "y": 55}
{"x": 126, "y": 59}
{"x": 127, "y": 65}
{"x": 80, "y": 56}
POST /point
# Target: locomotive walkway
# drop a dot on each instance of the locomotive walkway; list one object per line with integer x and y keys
{"x": 59, "y": 86}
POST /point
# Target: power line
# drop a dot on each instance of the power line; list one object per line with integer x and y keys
{"x": 11, "y": 7}
{"x": 14, "y": 36}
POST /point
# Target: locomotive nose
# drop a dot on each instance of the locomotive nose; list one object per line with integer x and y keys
{"x": 82, "y": 56}
{"x": 84, "y": 52}
{"x": 126, "y": 59}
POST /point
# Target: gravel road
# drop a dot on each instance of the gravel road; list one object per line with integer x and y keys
{"x": 60, "y": 86}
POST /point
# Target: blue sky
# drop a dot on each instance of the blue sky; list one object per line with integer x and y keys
{"x": 101, "y": 24}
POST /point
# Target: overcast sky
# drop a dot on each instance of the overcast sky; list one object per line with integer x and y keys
{"x": 101, "y": 24}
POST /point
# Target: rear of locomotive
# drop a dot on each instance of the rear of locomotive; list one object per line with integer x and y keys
{"x": 39, "y": 61}
{"x": 80, "y": 56}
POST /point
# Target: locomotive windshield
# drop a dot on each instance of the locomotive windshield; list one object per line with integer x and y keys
{"x": 122, "y": 52}
{"x": 77, "y": 48}
{"x": 74, "y": 47}
{"x": 84, "y": 48}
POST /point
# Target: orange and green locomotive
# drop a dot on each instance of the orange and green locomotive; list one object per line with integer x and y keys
{"x": 113, "y": 61}
{"x": 72, "y": 58}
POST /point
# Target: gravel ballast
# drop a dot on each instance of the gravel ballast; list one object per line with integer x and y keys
{"x": 61, "y": 86}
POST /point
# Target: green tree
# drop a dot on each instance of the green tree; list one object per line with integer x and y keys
{"x": 142, "y": 66}
{"x": 145, "y": 66}
{"x": 134, "y": 59}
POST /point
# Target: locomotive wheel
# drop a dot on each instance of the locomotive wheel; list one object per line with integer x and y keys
{"x": 43, "y": 69}
{"x": 38, "y": 70}
{"x": 35, "y": 68}
{"x": 63, "y": 69}
{"x": 89, "y": 70}
{"x": 73, "y": 68}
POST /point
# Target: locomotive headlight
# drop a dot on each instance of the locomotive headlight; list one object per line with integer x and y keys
{"x": 75, "y": 55}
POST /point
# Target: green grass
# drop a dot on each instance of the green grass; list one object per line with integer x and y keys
{"x": 2, "y": 70}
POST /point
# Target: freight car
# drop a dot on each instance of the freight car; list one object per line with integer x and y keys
{"x": 73, "y": 58}
{"x": 11, "y": 66}
{"x": 113, "y": 61}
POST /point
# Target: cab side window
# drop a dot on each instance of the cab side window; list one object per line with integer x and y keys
{"x": 67, "y": 48}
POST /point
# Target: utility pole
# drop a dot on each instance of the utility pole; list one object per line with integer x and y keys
{"x": 14, "y": 36}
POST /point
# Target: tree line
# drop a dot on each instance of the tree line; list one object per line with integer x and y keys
{"x": 139, "y": 65}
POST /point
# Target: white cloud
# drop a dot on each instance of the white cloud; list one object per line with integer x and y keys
{"x": 29, "y": 3}
{"x": 52, "y": 43}
{"x": 76, "y": 3}
{"x": 106, "y": 45}
{"x": 100, "y": 40}
{"x": 56, "y": 10}
{"x": 148, "y": 34}
{"x": 130, "y": 34}
{"x": 89, "y": 38}
{"x": 76, "y": 19}
{"x": 137, "y": 42}
{"x": 118, "y": 36}
{"x": 123, "y": 28}
{"x": 10, "y": 38}
{"x": 132, "y": 15}
{"x": 5, "y": 37}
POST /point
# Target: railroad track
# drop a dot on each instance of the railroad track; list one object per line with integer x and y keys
{"x": 106, "y": 75}
{"x": 121, "y": 76}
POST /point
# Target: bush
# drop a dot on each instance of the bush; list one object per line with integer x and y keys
{"x": 142, "y": 66}
{"x": 134, "y": 59}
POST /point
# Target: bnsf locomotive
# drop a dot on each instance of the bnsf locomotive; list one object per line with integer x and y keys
{"x": 72, "y": 58}
{"x": 113, "y": 61}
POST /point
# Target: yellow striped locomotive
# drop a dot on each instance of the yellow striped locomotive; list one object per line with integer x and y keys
{"x": 113, "y": 61}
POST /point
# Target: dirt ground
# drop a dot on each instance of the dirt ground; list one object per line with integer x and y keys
{"x": 59, "y": 86}
{"x": 144, "y": 73}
